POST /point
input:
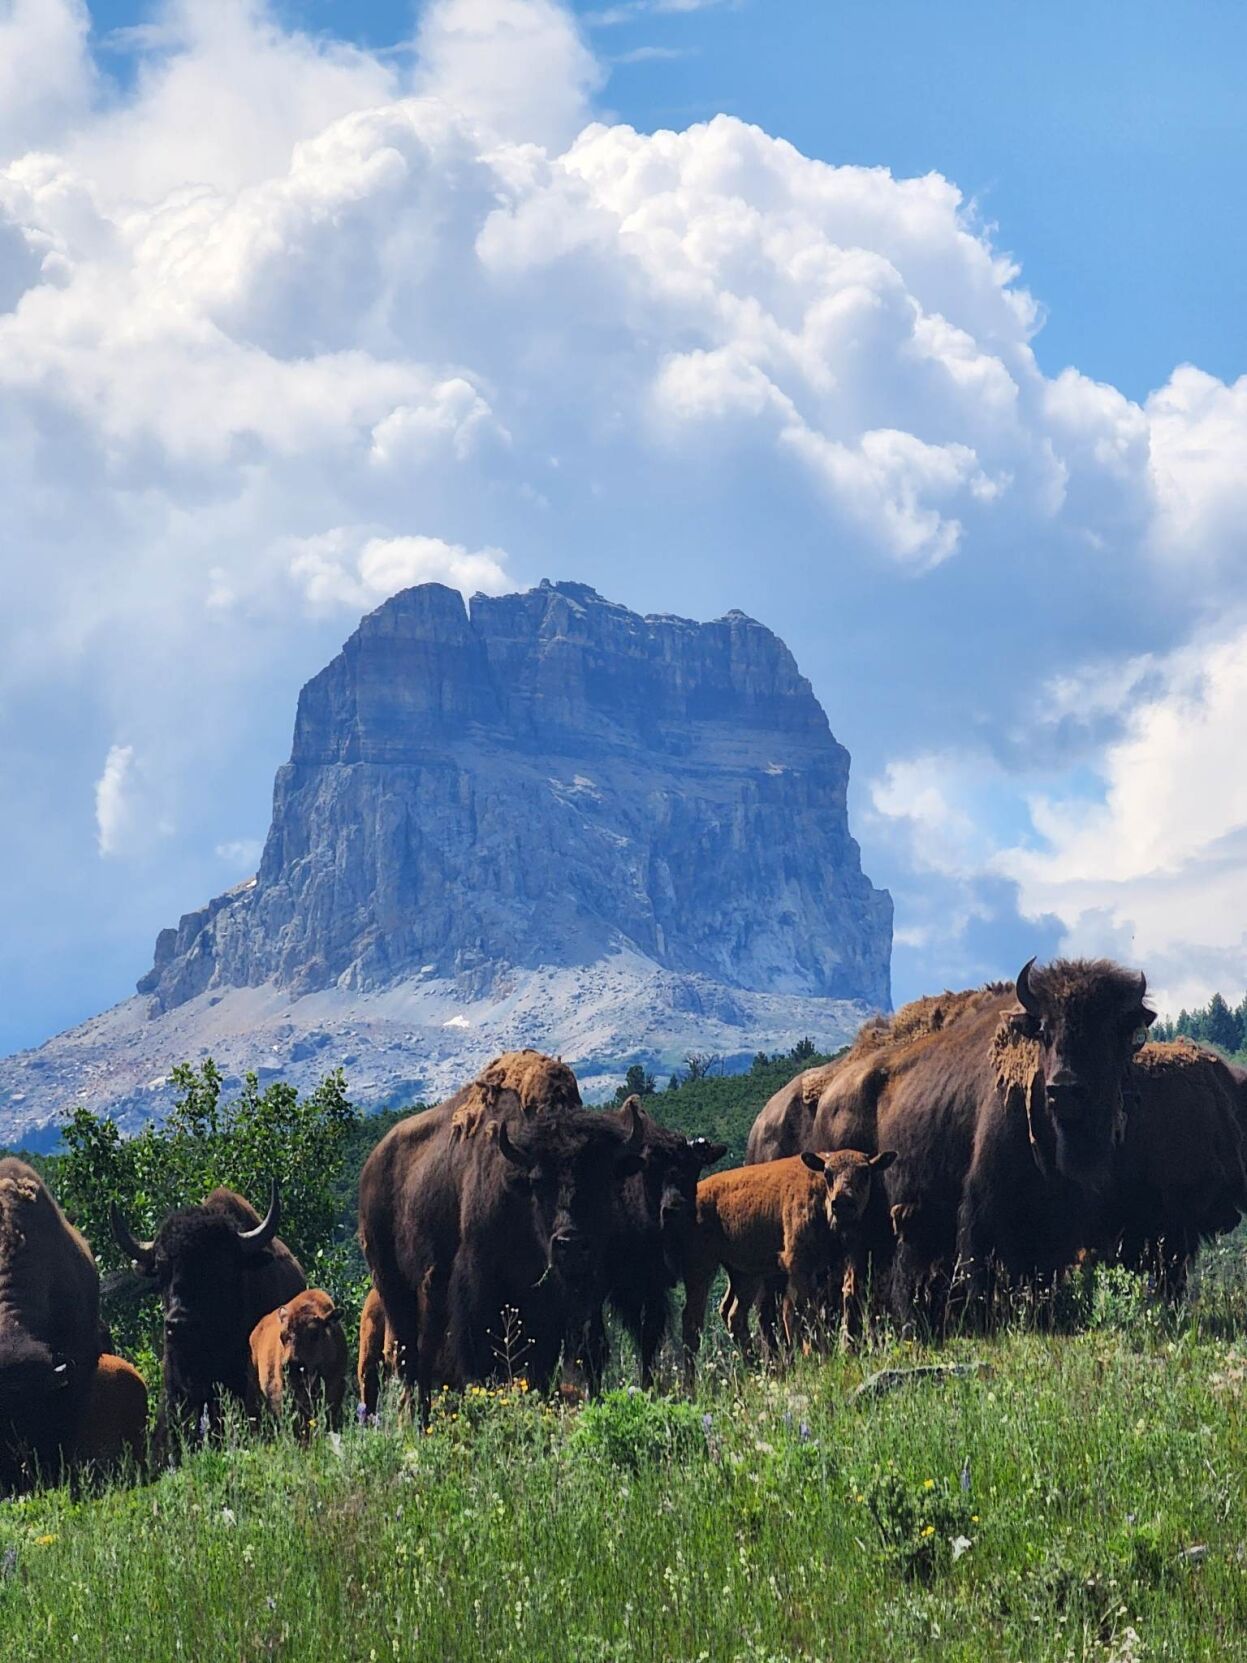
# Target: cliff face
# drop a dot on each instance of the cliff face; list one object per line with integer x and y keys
{"x": 548, "y": 779}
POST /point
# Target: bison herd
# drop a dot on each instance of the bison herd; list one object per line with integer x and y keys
{"x": 970, "y": 1145}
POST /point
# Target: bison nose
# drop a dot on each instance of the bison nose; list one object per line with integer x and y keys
{"x": 1065, "y": 1092}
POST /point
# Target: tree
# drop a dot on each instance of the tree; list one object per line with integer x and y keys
{"x": 760, "y": 1061}
{"x": 1220, "y": 1025}
{"x": 673, "y": 1084}
{"x": 638, "y": 1082}
{"x": 803, "y": 1050}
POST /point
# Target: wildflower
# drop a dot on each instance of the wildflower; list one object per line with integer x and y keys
{"x": 707, "y": 1421}
{"x": 927, "y": 1530}
{"x": 961, "y": 1544}
{"x": 803, "y": 1432}
{"x": 228, "y": 1517}
{"x": 361, "y": 1414}
{"x": 965, "y": 1477}
{"x": 928, "y": 1483}
{"x": 45, "y": 1541}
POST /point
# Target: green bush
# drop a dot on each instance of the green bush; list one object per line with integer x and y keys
{"x": 633, "y": 1431}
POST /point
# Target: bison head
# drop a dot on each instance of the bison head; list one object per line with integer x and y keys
{"x": 310, "y": 1331}
{"x": 198, "y": 1260}
{"x": 566, "y": 1164}
{"x": 1087, "y": 1018}
{"x": 671, "y": 1165}
{"x": 849, "y": 1178}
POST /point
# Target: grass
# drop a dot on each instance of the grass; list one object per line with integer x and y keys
{"x": 1045, "y": 1511}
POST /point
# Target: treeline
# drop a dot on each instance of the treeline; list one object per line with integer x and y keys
{"x": 1217, "y": 1023}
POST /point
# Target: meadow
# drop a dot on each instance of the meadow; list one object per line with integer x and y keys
{"x": 1081, "y": 1497}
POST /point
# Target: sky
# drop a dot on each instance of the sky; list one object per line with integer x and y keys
{"x": 913, "y": 331}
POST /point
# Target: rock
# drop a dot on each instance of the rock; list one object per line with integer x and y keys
{"x": 545, "y": 779}
{"x": 538, "y": 820}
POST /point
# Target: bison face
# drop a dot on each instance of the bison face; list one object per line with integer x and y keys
{"x": 198, "y": 1261}
{"x": 567, "y": 1167}
{"x": 1087, "y": 1018}
{"x": 310, "y": 1346}
{"x": 849, "y": 1179}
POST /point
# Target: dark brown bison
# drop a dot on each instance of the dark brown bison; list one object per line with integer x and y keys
{"x": 113, "y": 1431}
{"x": 378, "y": 1352}
{"x": 801, "y": 1218}
{"x": 648, "y": 1241}
{"x": 219, "y": 1268}
{"x": 299, "y": 1360}
{"x": 485, "y": 1240}
{"x": 49, "y": 1327}
{"x": 1180, "y": 1176}
{"x": 1005, "y": 1106}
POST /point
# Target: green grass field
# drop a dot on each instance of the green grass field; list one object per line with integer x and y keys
{"x": 1084, "y": 1499}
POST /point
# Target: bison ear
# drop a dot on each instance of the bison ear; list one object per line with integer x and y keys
{"x": 1025, "y": 1023}
{"x": 712, "y": 1152}
{"x": 883, "y": 1160}
{"x": 816, "y": 1163}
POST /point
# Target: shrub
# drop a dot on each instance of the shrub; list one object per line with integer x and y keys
{"x": 634, "y": 1431}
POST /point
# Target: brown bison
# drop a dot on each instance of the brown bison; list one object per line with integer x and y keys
{"x": 1005, "y": 1106}
{"x": 1180, "y": 1176}
{"x": 299, "y": 1359}
{"x": 113, "y": 1432}
{"x": 378, "y": 1352}
{"x": 485, "y": 1238}
{"x": 219, "y": 1268}
{"x": 786, "y": 1120}
{"x": 800, "y": 1218}
{"x": 49, "y": 1327}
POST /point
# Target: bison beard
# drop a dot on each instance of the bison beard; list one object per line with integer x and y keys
{"x": 1005, "y": 1117}
{"x": 486, "y": 1248}
{"x": 219, "y": 1268}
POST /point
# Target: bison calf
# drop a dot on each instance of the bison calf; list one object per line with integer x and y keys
{"x": 300, "y": 1349}
{"x": 378, "y": 1352}
{"x": 799, "y": 1217}
{"x": 114, "y": 1425}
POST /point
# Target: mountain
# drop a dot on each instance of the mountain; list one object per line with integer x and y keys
{"x": 540, "y": 818}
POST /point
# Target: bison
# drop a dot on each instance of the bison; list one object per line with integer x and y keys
{"x": 1180, "y": 1176}
{"x": 799, "y": 1218}
{"x": 647, "y": 1245}
{"x": 378, "y": 1352}
{"x": 113, "y": 1432}
{"x": 1005, "y": 1106}
{"x": 298, "y": 1356}
{"x": 219, "y": 1267}
{"x": 785, "y": 1121}
{"x": 49, "y": 1327}
{"x": 485, "y": 1240}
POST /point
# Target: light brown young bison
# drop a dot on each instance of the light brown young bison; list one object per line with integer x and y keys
{"x": 114, "y": 1425}
{"x": 299, "y": 1360}
{"x": 378, "y": 1352}
{"x": 808, "y": 1217}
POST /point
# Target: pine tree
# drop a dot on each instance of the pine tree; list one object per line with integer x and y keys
{"x": 1220, "y": 1026}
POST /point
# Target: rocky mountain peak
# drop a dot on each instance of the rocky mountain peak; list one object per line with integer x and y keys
{"x": 547, "y": 778}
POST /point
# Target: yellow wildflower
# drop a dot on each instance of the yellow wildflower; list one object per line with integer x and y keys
{"x": 928, "y": 1530}
{"x": 45, "y": 1541}
{"x": 928, "y": 1483}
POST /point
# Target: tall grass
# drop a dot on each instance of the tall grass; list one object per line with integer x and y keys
{"x": 1083, "y": 1499}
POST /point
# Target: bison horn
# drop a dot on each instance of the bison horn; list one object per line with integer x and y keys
{"x": 636, "y": 1137}
{"x": 138, "y": 1252}
{"x": 1025, "y": 993}
{"x": 519, "y": 1157}
{"x": 266, "y": 1229}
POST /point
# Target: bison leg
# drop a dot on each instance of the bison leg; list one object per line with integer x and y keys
{"x": 655, "y": 1315}
{"x": 742, "y": 1291}
{"x": 697, "y": 1280}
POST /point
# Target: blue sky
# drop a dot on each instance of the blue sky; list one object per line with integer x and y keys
{"x": 301, "y": 303}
